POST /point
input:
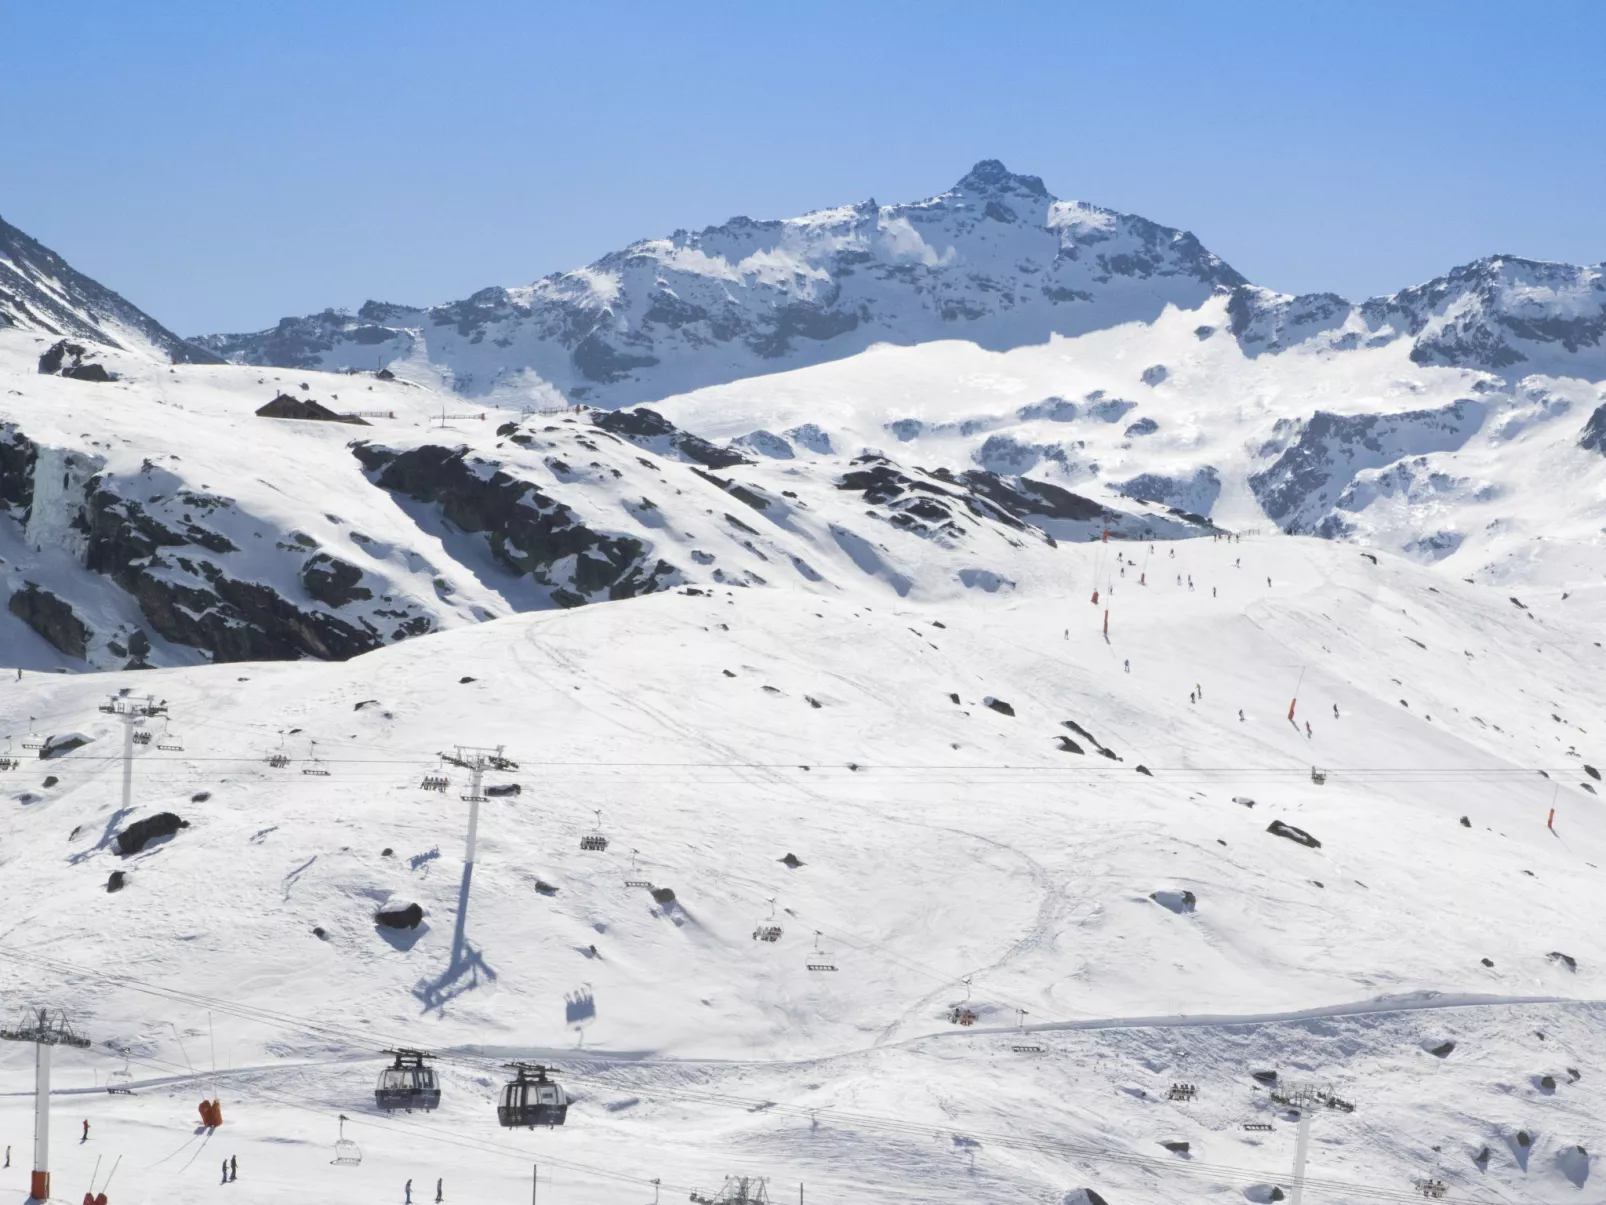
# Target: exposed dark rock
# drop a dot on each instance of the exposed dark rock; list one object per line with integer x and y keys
{"x": 117, "y": 881}
{"x": 52, "y": 617}
{"x": 50, "y": 781}
{"x": 1547, "y": 1083}
{"x": 663, "y": 895}
{"x": 285, "y": 406}
{"x": 1176, "y": 1148}
{"x": 792, "y": 860}
{"x": 319, "y": 933}
{"x": 1265, "y": 1077}
{"x": 1154, "y": 374}
{"x": 332, "y": 581}
{"x": 465, "y": 679}
{"x": 502, "y": 790}
{"x": 1083, "y": 1196}
{"x": 1142, "y": 769}
{"x": 998, "y": 705}
{"x": 200, "y": 796}
{"x": 142, "y": 832}
{"x": 1593, "y": 438}
{"x": 528, "y": 530}
{"x": 1278, "y": 828}
{"x": 1067, "y": 745}
{"x": 408, "y": 917}
{"x": 64, "y": 358}
{"x": 1442, "y": 1050}
{"x": 1466, "y": 823}
{"x": 1488, "y": 962}
{"x": 647, "y": 427}
{"x": 1566, "y": 960}
{"x": 1592, "y": 772}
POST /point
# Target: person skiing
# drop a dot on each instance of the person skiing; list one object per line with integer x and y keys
{"x": 439, "y": 1195}
{"x": 1127, "y": 665}
{"x": 1335, "y": 711}
{"x": 85, "y": 1138}
{"x": 1190, "y": 581}
{"x": 225, "y": 1178}
{"x": 409, "y": 1191}
{"x": 1199, "y": 690}
{"x": 1240, "y": 715}
{"x": 1307, "y": 729}
{"x": 1212, "y": 591}
{"x": 234, "y": 1168}
{"x": 1238, "y": 564}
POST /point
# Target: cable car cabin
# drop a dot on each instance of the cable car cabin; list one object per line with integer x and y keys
{"x": 407, "y": 1084}
{"x": 594, "y": 843}
{"x": 532, "y": 1100}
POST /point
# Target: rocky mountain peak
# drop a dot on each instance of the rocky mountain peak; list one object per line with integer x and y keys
{"x": 991, "y": 177}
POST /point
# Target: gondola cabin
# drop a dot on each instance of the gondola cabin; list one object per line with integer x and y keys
{"x": 407, "y": 1084}
{"x": 532, "y": 1099}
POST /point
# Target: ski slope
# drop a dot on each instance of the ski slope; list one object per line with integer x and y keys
{"x": 951, "y": 855}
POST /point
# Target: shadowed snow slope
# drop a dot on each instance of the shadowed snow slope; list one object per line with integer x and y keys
{"x": 951, "y": 855}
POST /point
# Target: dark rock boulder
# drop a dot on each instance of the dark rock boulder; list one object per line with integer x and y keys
{"x": 64, "y": 358}
{"x": 117, "y": 881}
{"x": 663, "y": 895}
{"x": 52, "y": 617}
{"x": 333, "y": 582}
{"x": 503, "y": 789}
{"x": 142, "y": 832}
{"x": 998, "y": 705}
{"x": 1566, "y": 960}
{"x": 1278, "y": 828}
{"x": 1176, "y": 901}
{"x": 650, "y": 429}
{"x": 1083, "y": 1196}
{"x": 408, "y": 916}
{"x": 60, "y": 746}
{"x": 1176, "y": 1148}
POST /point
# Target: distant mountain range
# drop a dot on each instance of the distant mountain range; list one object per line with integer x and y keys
{"x": 996, "y": 260}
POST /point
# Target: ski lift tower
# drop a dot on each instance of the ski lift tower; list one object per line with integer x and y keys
{"x": 133, "y": 713}
{"x": 476, "y": 761}
{"x": 44, "y": 1029}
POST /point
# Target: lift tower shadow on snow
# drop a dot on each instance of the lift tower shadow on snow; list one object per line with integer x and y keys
{"x": 462, "y": 973}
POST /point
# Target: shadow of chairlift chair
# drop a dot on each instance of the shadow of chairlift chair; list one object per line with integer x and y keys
{"x": 818, "y": 959}
{"x": 347, "y": 1152}
{"x": 407, "y": 1083}
{"x": 768, "y": 930}
{"x": 530, "y": 1099}
{"x": 594, "y": 842}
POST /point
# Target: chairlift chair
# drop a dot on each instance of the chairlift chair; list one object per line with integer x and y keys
{"x": 530, "y": 1099}
{"x": 142, "y": 736}
{"x": 436, "y": 782}
{"x": 33, "y": 740}
{"x": 594, "y": 841}
{"x": 407, "y": 1083}
{"x": 8, "y": 762}
{"x": 315, "y": 764}
{"x": 347, "y": 1152}
{"x": 818, "y": 959}
{"x": 768, "y": 930}
{"x": 121, "y": 1081}
{"x": 278, "y": 760}
{"x": 169, "y": 741}
{"x": 1433, "y": 1187}
{"x": 1319, "y": 777}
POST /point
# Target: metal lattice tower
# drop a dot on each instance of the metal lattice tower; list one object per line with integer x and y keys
{"x": 45, "y": 1029}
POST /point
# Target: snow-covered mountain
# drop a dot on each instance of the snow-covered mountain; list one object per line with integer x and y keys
{"x": 996, "y": 260}
{"x": 41, "y": 292}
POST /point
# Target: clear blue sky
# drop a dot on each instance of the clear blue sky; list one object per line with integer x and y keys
{"x": 226, "y": 163}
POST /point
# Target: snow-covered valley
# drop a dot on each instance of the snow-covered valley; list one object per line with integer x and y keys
{"x": 941, "y": 614}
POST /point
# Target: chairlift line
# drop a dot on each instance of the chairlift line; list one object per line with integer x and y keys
{"x": 595, "y": 841}
{"x": 314, "y": 766}
{"x": 347, "y": 1152}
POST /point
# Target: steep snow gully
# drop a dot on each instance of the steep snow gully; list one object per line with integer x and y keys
{"x": 975, "y": 701}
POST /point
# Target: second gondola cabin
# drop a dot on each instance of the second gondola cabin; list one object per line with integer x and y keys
{"x": 531, "y": 1099}
{"x": 408, "y": 1083}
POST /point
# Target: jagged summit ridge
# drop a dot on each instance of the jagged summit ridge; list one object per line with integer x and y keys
{"x": 995, "y": 260}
